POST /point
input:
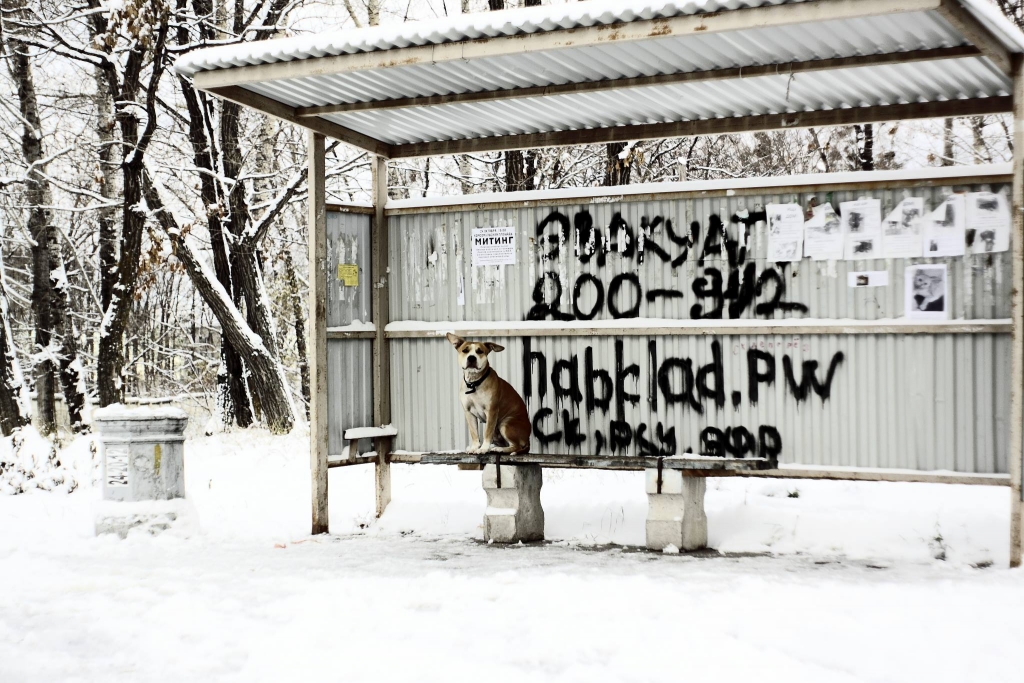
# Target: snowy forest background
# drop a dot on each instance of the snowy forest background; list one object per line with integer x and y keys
{"x": 153, "y": 238}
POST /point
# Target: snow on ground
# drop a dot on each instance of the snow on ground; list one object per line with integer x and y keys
{"x": 821, "y": 581}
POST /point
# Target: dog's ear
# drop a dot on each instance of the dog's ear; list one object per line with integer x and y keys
{"x": 455, "y": 341}
{"x": 491, "y": 346}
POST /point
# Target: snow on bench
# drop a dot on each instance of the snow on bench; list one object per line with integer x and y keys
{"x": 371, "y": 432}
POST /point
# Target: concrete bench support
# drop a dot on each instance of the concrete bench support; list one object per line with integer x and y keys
{"x": 675, "y": 510}
{"x": 513, "y": 511}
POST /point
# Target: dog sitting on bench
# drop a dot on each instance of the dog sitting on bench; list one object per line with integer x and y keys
{"x": 489, "y": 398}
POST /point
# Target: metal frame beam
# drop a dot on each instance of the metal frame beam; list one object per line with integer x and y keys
{"x": 317, "y": 355}
{"x": 288, "y": 113}
{"x": 381, "y": 317}
{"x": 965, "y": 24}
{"x": 1017, "y": 317}
{"x": 739, "y": 124}
{"x": 780, "y": 69}
{"x": 686, "y": 328}
{"x": 693, "y": 24}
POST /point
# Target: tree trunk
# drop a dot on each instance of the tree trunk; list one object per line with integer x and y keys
{"x": 865, "y": 147}
{"x": 39, "y": 227}
{"x": 130, "y": 94}
{"x": 109, "y": 163}
{"x": 14, "y": 410}
{"x": 265, "y": 370}
{"x": 947, "y": 142}
{"x": 299, "y": 323}
{"x": 616, "y": 170}
{"x": 520, "y": 167}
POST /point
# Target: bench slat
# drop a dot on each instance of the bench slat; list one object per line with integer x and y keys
{"x": 371, "y": 432}
{"x": 610, "y": 462}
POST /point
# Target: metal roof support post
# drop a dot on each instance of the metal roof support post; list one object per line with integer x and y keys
{"x": 1017, "y": 308}
{"x": 381, "y": 316}
{"x": 317, "y": 334}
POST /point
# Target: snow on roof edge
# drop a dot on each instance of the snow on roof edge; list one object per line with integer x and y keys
{"x": 460, "y": 27}
{"x": 620, "y": 191}
{"x": 995, "y": 21}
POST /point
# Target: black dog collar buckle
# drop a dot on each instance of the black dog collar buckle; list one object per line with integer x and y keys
{"x": 473, "y": 385}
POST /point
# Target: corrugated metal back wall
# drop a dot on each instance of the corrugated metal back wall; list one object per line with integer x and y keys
{"x": 926, "y": 401}
{"x": 349, "y": 361}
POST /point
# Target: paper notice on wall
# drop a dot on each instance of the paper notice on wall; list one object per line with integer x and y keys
{"x": 348, "y": 274}
{"x": 926, "y": 294}
{"x": 862, "y": 225}
{"x": 902, "y": 228}
{"x": 945, "y": 228}
{"x": 494, "y": 246}
{"x": 870, "y": 278}
{"x": 116, "y": 464}
{"x": 823, "y": 235}
{"x": 785, "y": 232}
{"x": 988, "y": 215}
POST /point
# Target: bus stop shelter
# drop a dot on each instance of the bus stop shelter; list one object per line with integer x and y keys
{"x": 610, "y": 71}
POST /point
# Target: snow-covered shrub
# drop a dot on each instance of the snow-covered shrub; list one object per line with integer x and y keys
{"x": 30, "y": 461}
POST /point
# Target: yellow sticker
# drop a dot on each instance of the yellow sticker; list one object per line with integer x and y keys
{"x": 348, "y": 273}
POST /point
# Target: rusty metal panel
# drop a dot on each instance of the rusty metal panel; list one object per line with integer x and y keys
{"x": 349, "y": 361}
{"x": 919, "y": 402}
{"x": 910, "y": 401}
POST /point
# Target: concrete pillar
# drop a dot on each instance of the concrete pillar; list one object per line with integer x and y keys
{"x": 675, "y": 511}
{"x": 513, "y": 510}
{"x": 143, "y": 461}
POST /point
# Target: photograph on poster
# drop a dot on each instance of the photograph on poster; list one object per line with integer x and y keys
{"x": 903, "y": 229}
{"x": 926, "y": 295}
{"x": 823, "y": 235}
{"x": 988, "y": 215}
{"x": 870, "y": 278}
{"x": 862, "y": 223}
{"x": 945, "y": 228}
{"x": 785, "y": 232}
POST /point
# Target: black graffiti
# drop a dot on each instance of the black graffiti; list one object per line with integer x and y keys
{"x": 670, "y": 380}
{"x": 578, "y": 289}
{"x": 809, "y": 377}
{"x": 756, "y": 376}
{"x": 633, "y": 311}
{"x": 741, "y": 292}
{"x": 738, "y": 442}
{"x": 625, "y": 293}
{"x": 553, "y": 242}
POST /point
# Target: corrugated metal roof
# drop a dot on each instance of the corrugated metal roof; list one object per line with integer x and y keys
{"x": 460, "y": 27}
{"x": 518, "y": 21}
{"x": 348, "y": 73}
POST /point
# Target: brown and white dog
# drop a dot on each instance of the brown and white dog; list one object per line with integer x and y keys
{"x": 489, "y": 398}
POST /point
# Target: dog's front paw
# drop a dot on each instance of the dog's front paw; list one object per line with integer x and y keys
{"x": 473, "y": 448}
{"x": 485, "y": 448}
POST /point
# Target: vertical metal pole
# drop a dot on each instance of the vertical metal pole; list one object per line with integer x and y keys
{"x": 318, "y": 332}
{"x": 381, "y": 317}
{"x": 1017, "y": 315}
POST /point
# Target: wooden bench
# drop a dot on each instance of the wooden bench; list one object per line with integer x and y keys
{"x": 350, "y": 456}
{"x": 675, "y": 488}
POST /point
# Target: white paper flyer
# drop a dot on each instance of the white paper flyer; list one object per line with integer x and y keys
{"x": 988, "y": 215}
{"x": 902, "y": 238}
{"x": 926, "y": 294}
{"x": 785, "y": 232}
{"x": 494, "y": 246}
{"x": 945, "y": 228}
{"x": 823, "y": 235}
{"x": 862, "y": 224}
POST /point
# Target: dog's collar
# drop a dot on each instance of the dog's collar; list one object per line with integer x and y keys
{"x": 473, "y": 385}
